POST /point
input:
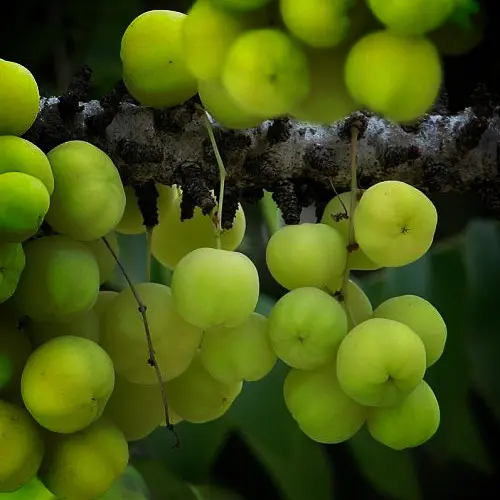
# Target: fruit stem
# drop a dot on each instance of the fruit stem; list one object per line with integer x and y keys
{"x": 222, "y": 175}
{"x": 152, "y": 355}
{"x": 352, "y": 207}
{"x": 149, "y": 237}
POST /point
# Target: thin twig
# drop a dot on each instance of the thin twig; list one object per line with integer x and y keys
{"x": 152, "y": 355}
{"x": 352, "y": 207}
{"x": 222, "y": 174}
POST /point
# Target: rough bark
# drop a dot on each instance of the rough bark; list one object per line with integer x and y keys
{"x": 298, "y": 162}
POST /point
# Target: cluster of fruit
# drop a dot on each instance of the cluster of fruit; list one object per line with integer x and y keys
{"x": 314, "y": 60}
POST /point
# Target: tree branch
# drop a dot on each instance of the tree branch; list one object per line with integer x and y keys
{"x": 296, "y": 161}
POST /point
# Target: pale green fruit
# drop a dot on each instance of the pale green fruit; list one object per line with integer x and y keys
{"x": 412, "y": 17}
{"x": 101, "y": 453}
{"x": 240, "y": 353}
{"x": 85, "y": 325}
{"x": 422, "y": 317}
{"x": 154, "y": 65}
{"x": 60, "y": 279}
{"x": 197, "y": 397}
{"x": 66, "y": 383}
{"x": 395, "y": 76}
{"x": 24, "y": 202}
{"x": 380, "y": 361}
{"x": 12, "y": 262}
{"x": 104, "y": 258}
{"x": 173, "y": 239}
{"x": 266, "y": 72}
{"x": 320, "y": 407}
{"x": 208, "y": 33}
{"x": 34, "y": 489}
{"x": 88, "y": 199}
{"x": 337, "y": 215}
{"x": 223, "y": 108}
{"x": 214, "y": 288}
{"x": 306, "y": 255}
{"x": 306, "y": 327}
{"x": 409, "y": 423}
{"x": 328, "y": 99}
{"x": 123, "y": 335}
{"x": 394, "y": 223}
{"x": 21, "y": 447}
{"x": 19, "y": 98}
{"x": 103, "y": 301}
{"x": 359, "y": 305}
{"x": 132, "y": 221}
{"x": 318, "y": 23}
{"x": 20, "y": 155}
{"x": 15, "y": 349}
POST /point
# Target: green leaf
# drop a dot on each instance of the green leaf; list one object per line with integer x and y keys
{"x": 390, "y": 472}
{"x": 200, "y": 445}
{"x": 210, "y": 492}
{"x": 298, "y": 466}
{"x": 482, "y": 253}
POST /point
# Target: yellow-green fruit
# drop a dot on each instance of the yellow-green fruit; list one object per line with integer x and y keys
{"x": 21, "y": 447}
{"x": 103, "y": 301}
{"x": 34, "y": 489}
{"x": 397, "y": 77}
{"x": 173, "y": 239}
{"x": 241, "y": 5}
{"x": 88, "y": 199}
{"x": 132, "y": 221}
{"x": 212, "y": 287}
{"x": 306, "y": 255}
{"x": 19, "y": 98}
{"x": 337, "y": 215}
{"x": 266, "y": 72}
{"x": 84, "y": 465}
{"x": 20, "y": 155}
{"x": 136, "y": 409}
{"x": 223, "y": 108}
{"x": 240, "y": 353}
{"x": 412, "y": 17}
{"x": 105, "y": 259}
{"x": 422, "y": 317}
{"x": 15, "y": 349}
{"x": 66, "y": 383}
{"x": 357, "y": 305}
{"x": 12, "y": 262}
{"x": 380, "y": 361}
{"x": 394, "y": 223}
{"x": 123, "y": 336}
{"x": 318, "y": 23}
{"x": 154, "y": 66}
{"x": 24, "y": 202}
{"x": 328, "y": 99}
{"x": 409, "y": 423}
{"x": 208, "y": 33}
{"x": 85, "y": 325}
{"x": 60, "y": 279}
{"x": 197, "y": 397}
{"x": 320, "y": 407}
{"x": 306, "y": 327}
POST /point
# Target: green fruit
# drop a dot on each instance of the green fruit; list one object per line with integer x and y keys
{"x": 21, "y": 447}
{"x": 66, "y": 383}
{"x": 104, "y": 258}
{"x": 380, "y": 361}
{"x": 24, "y": 202}
{"x": 101, "y": 453}
{"x": 422, "y": 317}
{"x": 409, "y": 423}
{"x": 34, "y": 489}
{"x": 359, "y": 305}
{"x": 320, "y": 407}
{"x": 154, "y": 66}
{"x": 88, "y": 200}
{"x": 241, "y": 5}
{"x": 395, "y": 76}
{"x": 19, "y": 98}
{"x": 266, "y": 72}
{"x": 12, "y": 262}
{"x": 20, "y": 155}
